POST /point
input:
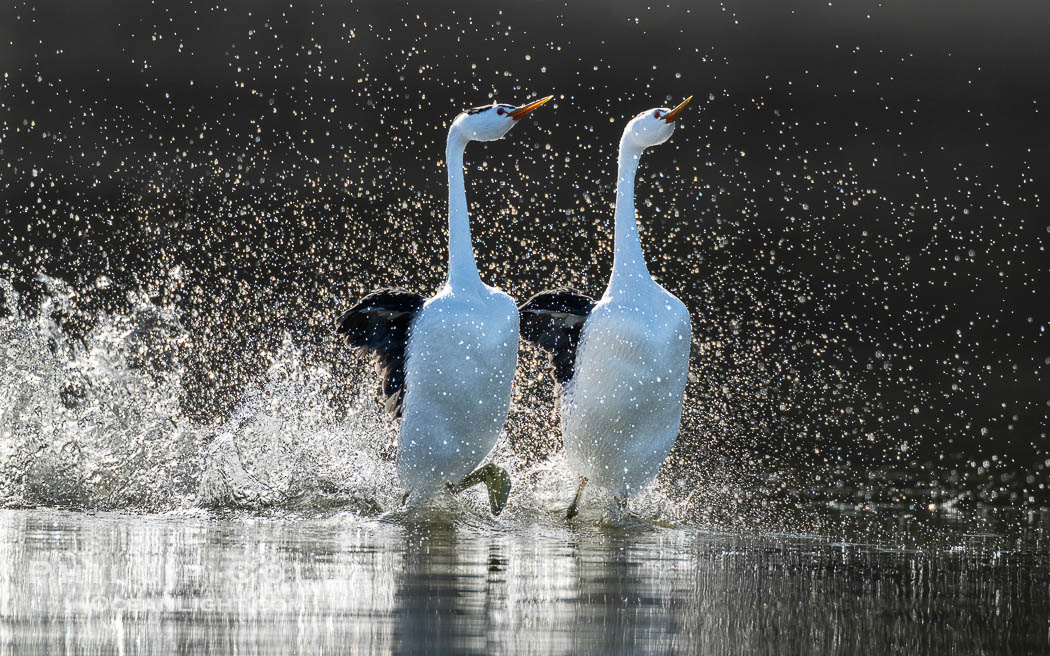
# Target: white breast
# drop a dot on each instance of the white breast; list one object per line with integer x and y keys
{"x": 462, "y": 353}
{"x": 622, "y": 410}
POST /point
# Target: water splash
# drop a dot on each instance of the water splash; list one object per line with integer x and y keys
{"x": 101, "y": 421}
{"x": 99, "y": 409}
{"x": 93, "y": 422}
{"x": 282, "y": 447}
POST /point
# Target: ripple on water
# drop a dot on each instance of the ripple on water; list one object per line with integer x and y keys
{"x": 435, "y": 580}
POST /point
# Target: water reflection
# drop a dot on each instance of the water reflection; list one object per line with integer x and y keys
{"x": 73, "y": 583}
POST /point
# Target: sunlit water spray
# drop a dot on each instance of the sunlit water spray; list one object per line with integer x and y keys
{"x": 99, "y": 423}
{"x": 100, "y": 419}
{"x": 202, "y": 234}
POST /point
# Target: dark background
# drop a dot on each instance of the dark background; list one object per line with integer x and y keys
{"x": 851, "y": 207}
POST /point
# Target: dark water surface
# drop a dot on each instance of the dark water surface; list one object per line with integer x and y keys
{"x": 111, "y": 583}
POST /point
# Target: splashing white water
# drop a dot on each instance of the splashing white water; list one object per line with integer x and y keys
{"x": 93, "y": 422}
{"x": 99, "y": 411}
{"x": 101, "y": 422}
{"x": 282, "y": 446}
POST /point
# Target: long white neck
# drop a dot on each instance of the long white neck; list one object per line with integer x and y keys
{"x": 628, "y": 262}
{"x": 462, "y": 268}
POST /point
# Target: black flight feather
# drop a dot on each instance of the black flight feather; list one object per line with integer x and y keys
{"x": 553, "y": 320}
{"x": 379, "y": 324}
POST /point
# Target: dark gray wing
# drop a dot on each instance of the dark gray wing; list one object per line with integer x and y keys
{"x": 379, "y": 324}
{"x": 553, "y": 320}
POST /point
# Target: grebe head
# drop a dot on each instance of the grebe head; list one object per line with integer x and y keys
{"x": 491, "y": 122}
{"x": 653, "y": 126}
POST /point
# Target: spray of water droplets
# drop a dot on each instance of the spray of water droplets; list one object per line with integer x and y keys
{"x": 183, "y": 220}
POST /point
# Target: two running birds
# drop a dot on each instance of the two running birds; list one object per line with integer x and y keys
{"x": 447, "y": 362}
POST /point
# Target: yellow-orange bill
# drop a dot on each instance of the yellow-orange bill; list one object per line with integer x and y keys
{"x": 673, "y": 114}
{"x": 525, "y": 109}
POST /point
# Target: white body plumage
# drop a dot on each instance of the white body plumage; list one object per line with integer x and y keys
{"x": 462, "y": 353}
{"x": 622, "y": 409}
{"x": 462, "y": 346}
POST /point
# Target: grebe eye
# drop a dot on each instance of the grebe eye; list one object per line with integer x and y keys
{"x": 499, "y": 110}
{"x": 656, "y": 114}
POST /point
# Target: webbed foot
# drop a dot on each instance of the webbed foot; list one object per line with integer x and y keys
{"x": 496, "y": 479}
{"x": 574, "y": 507}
